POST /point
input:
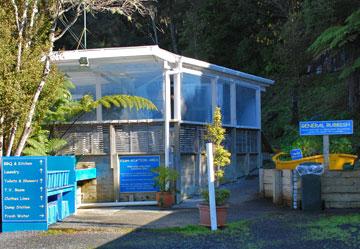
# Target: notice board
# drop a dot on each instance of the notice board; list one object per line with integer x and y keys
{"x": 329, "y": 127}
{"x": 24, "y": 198}
{"x": 136, "y": 173}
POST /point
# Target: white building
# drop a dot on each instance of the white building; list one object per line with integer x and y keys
{"x": 185, "y": 91}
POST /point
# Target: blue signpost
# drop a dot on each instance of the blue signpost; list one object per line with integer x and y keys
{"x": 136, "y": 173}
{"x": 326, "y": 128}
{"x": 24, "y": 198}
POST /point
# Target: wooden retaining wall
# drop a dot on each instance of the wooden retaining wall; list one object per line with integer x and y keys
{"x": 339, "y": 189}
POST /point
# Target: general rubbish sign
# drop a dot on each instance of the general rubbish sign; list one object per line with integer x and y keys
{"x": 331, "y": 127}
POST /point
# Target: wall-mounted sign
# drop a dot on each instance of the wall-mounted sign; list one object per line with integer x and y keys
{"x": 136, "y": 173}
{"x": 24, "y": 198}
{"x": 296, "y": 154}
{"x": 331, "y": 127}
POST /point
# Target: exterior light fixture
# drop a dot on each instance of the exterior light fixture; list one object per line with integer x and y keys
{"x": 84, "y": 61}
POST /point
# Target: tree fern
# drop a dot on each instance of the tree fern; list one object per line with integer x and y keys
{"x": 40, "y": 144}
{"x": 336, "y": 37}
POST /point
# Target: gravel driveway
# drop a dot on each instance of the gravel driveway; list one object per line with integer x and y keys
{"x": 253, "y": 223}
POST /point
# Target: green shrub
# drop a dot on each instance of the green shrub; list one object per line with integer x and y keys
{"x": 165, "y": 179}
{"x": 221, "y": 196}
{"x": 309, "y": 145}
{"x": 341, "y": 145}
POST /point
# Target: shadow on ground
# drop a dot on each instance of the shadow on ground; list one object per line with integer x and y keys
{"x": 253, "y": 223}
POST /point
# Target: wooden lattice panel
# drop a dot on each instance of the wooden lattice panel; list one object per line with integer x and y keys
{"x": 241, "y": 141}
{"x": 136, "y": 138}
{"x": 188, "y": 139}
{"x": 252, "y": 141}
{"x": 83, "y": 139}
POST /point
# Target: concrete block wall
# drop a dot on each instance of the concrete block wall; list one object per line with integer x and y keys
{"x": 277, "y": 184}
{"x": 88, "y": 191}
{"x": 103, "y": 185}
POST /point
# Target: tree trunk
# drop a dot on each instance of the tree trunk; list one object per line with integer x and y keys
{"x": 173, "y": 37}
{"x": 27, "y": 128}
{"x": 353, "y": 83}
{"x": 156, "y": 40}
{"x": 12, "y": 138}
{"x": 295, "y": 103}
{"x": 353, "y": 93}
{"x": 21, "y": 31}
{"x": 1, "y": 135}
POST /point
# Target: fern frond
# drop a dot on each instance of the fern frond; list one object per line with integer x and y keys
{"x": 31, "y": 151}
{"x": 54, "y": 145}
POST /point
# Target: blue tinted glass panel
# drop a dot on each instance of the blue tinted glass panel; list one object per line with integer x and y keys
{"x": 137, "y": 79}
{"x": 78, "y": 92}
{"x": 246, "y": 114}
{"x": 196, "y": 98}
{"x": 223, "y": 100}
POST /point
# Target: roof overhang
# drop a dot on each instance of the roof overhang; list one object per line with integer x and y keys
{"x": 145, "y": 51}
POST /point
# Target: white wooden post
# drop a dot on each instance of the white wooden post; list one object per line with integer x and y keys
{"x": 211, "y": 181}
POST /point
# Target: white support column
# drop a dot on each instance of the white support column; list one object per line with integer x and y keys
{"x": 114, "y": 163}
{"x": 177, "y": 93}
{"x": 233, "y": 103}
{"x": 214, "y": 94}
{"x": 167, "y": 113}
{"x": 258, "y": 117}
{"x": 258, "y": 108}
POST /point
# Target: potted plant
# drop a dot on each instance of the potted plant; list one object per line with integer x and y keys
{"x": 216, "y": 135}
{"x": 165, "y": 181}
{"x": 221, "y": 198}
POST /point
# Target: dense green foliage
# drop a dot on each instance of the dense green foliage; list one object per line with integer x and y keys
{"x": 32, "y": 92}
{"x": 221, "y": 196}
{"x": 310, "y": 47}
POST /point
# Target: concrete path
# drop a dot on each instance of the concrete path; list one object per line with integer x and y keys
{"x": 260, "y": 225}
{"x": 244, "y": 202}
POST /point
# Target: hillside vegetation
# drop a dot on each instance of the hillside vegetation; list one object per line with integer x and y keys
{"x": 310, "y": 47}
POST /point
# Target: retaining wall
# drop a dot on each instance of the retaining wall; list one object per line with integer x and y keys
{"x": 339, "y": 189}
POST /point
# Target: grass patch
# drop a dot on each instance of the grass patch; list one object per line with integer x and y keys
{"x": 344, "y": 228}
{"x": 238, "y": 227}
{"x": 232, "y": 228}
{"x": 190, "y": 230}
{"x": 64, "y": 231}
{"x": 60, "y": 231}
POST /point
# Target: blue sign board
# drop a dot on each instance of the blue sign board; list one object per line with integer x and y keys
{"x": 296, "y": 154}
{"x": 24, "y": 198}
{"x": 136, "y": 173}
{"x": 331, "y": 127}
